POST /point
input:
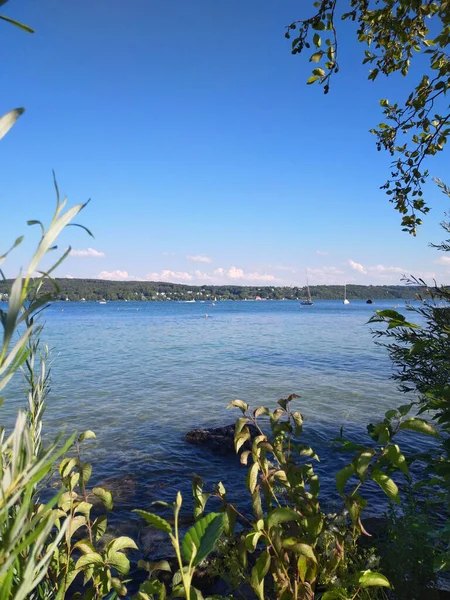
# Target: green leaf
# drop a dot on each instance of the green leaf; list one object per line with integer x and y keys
{"x": 302, "y": 566}
{"x": 118, "y": 586}
{"x": 386, "y": 484}
{"x": 238, "y": 404}
{"x": 66, "y": 466}
{"x": 392, "y": 414}
{"x": 241, "y": 438}
{"x": 244, "y": 457}
{"x": 404, "y": 409}
{"x": 155, "y": 521}
{"x": 8, "y": 120}
{"x": 93, "y": 558}
{"x": 119, "y": 561}
{"x": 99, "y": 527}
{"x": 312, "y": 79}
{"x": 252, "y": 477}
{"x": 282, "y": 515}
{"x": 18, "y": 241}
{"x": 121, "y": 543}
{"x": 363, "y": 461}
{"x": 299, "y": 548}
{"x": 262, "y": 410}
{"x": 105, "y": 496}
{"x": 343, "y": 476}
{"x": 203, "y": 536}
{"x": 317, "y": 40}
{"x": 17, "y": 24}
{"x": 419, "y": 426}
{"x": 148, "y": 589}
{"x": 390, "y": 314}
{"x": 196, "y": 594}
{"x": 381, "y": 432}
{"x": 316, "y": 57}
{"x": 259, "y": 571}
{"x": 84, "y": 508}
{"x": 394, "y": 454}
{"x": 150, "y": 566}
{"x": 75, "y": 523}
{"x": 371, "y": 578}
{"x": 85, "y": 472}
{"x": 240, "y": 423}
{"x": 84, "y": 546}
{"x": 298, "y": 420}
{"x": 87, "y": 435}
{"x": 251, "y": 540}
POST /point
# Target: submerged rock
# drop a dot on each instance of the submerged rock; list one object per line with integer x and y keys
{"x": 220, "y": 440}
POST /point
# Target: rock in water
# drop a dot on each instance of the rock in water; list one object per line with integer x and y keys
{"x": 220, "y": 440}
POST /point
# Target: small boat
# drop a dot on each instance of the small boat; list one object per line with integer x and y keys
{"x": 369, "y": 301}
{"x": 345, "y": 295}
{"x": 308, "y": 301}
{"x": 102, "y": 301}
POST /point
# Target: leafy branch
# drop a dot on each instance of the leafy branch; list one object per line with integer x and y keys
{"x": 395, "y": 32}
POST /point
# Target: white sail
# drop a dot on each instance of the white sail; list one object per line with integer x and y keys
{"x": 308, "y": 301}
{"x": 345, "y": 295}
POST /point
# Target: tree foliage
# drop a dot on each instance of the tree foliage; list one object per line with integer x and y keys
{"x": 397, "y": 34}
{"x": 420, "y": 351}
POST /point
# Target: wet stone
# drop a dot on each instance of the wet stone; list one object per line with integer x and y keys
{"x": 219, "y": 440}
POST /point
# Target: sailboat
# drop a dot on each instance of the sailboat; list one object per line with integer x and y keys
{"x": 308, "y": 301}
{"x": 345, "y": 295}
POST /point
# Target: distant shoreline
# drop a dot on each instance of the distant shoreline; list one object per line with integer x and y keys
{"x": 94, "y": 290}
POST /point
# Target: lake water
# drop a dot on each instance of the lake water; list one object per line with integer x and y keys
{"x": 142, "y": 374}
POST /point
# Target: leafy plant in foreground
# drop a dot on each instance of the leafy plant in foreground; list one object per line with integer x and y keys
{"x": 291, "y": 548}
{"x": 26, "y": 543}
{"x": 198, "y": 542}
{"x": 407, "y": 551}
{"x": 38, "y": 555}
{"x": 81, "y": 551}
{"x": 420, "y": 353}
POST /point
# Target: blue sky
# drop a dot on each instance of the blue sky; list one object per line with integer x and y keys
{"x": 206, "y": 156}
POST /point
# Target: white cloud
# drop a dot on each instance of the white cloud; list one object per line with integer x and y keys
{"x": 377, "y": 273}
{"x": 235, "y": 273}
{"x": 321, "y": 252}
{"x": 199, "y": 258}
{"x": 68, "y": 276}
{"x": 89, "y": 253}
{"x": 326, "y": 276}
{"x": 443, "y": 260}
{"x": 217, "y": 276}
{"x": 261, "y": 277}
{"x": 172, "y": 276}
{"x": 385, "y": 269}
{"x": 357, "y": 267}
{"x": 115, "y": 275}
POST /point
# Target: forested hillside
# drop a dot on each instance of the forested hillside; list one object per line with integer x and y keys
{"x": 97, "y": 289}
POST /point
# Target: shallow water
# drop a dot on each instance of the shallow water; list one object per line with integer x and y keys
{"x": 141, "y": 374}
